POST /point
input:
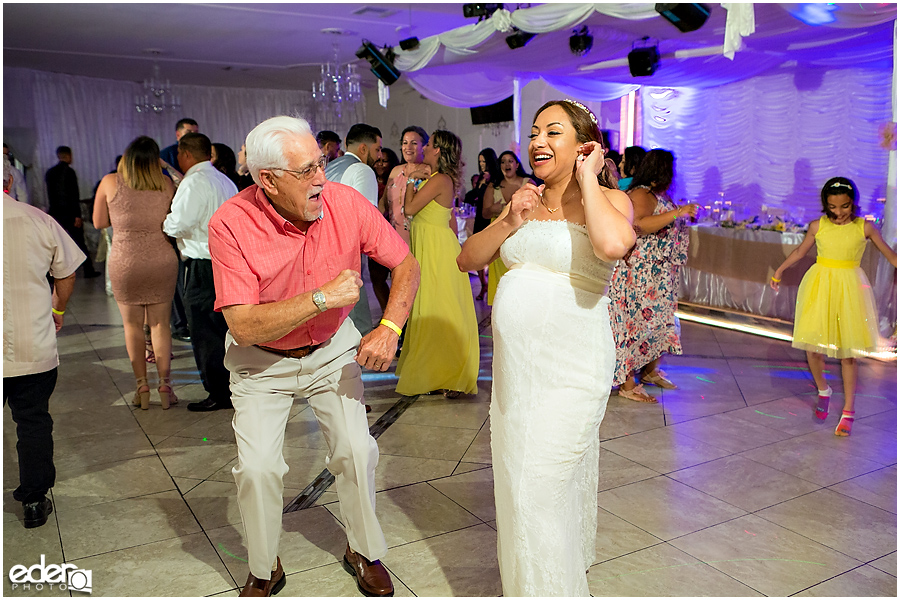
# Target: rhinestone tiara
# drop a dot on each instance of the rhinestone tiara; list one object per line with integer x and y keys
{"x": 584, "y": 108}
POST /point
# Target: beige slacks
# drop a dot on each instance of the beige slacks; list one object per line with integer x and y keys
{"x": 263, "y": 388}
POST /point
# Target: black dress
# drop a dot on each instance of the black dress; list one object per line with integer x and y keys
{"x": 476, "y": 199}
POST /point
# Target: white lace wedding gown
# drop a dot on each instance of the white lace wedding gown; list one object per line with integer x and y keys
{"x": 553, "y": 365}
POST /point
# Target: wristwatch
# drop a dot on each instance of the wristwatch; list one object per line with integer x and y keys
{"x": 318, "y": 298}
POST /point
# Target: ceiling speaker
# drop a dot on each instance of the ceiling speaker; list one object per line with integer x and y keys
{"x": 685, "y": 16}
{"x": 409, "y": 43}
{"x": 643, "y": 61}
{"x": 382, "y": 65}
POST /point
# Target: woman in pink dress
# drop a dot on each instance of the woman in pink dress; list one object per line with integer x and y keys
{"x": 412, "y": 144}
{"x": 142, "y": 265}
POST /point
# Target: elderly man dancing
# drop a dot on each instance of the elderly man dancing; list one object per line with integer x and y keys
{"x": 286, "y": 261}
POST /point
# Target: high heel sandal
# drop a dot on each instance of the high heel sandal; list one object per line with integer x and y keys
{"x": 141, "y": 398}
{"x": 846, "y": 422}
{"x": 166, "y": 397}
{"x": 149, "y": 356}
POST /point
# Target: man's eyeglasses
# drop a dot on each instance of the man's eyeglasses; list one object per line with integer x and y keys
{"x": 307, "y": 173}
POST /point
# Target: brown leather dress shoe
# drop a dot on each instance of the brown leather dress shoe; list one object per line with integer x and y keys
{"x": 265, "y": 587}
{"x": 372, "y": 578}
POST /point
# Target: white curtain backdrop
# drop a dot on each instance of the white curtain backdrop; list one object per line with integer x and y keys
{"x": 774, "y": 139}
{"x": 97, "y": 119}
{"x": 765, "y": 36}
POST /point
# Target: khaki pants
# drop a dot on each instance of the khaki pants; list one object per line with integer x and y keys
{"x": 263, "y": 388}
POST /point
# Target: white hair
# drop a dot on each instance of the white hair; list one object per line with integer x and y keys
{"x": 265, "y": 144}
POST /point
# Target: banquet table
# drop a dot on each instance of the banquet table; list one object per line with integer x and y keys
{"x": 730, "y": 269}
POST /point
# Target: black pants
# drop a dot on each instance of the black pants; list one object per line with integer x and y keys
{"x": 77, "y": 234}
{"x": 207, "y": 328}
{"x": 379, "y": 275}
{"x": 178, "y": 320}
{"x": 29, "y": 401}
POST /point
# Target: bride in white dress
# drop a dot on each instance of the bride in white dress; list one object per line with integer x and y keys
{"x": 553, "y": 351}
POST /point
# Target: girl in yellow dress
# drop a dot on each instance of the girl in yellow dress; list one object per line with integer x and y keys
{"x": 835, "y": 312}
{"x": 441, "y": 346}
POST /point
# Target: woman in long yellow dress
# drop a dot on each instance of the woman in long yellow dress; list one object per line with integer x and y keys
{"x": 496, "y": 197}
{"x": 441, "y": 347}
{"x": 835, "y": 312}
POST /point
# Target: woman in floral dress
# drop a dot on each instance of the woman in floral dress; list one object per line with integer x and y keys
{"x": 644, "y": 288}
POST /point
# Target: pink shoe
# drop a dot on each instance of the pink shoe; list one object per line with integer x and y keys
{"x": 822, "y": 404}
{"x": 843, "y": 428}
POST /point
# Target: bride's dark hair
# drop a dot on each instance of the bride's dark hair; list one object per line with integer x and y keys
{"x": 586, "y": 130}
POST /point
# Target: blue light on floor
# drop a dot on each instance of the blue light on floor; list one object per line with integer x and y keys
{"x": 372, "y": 376}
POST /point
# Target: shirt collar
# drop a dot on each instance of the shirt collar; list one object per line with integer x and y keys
{"x": 200, "y": 166}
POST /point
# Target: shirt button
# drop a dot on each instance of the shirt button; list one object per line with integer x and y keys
{"x": 309, "y": 272}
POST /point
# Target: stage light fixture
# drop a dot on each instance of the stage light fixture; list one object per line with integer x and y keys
{"x": 581, "y": 42}
{"x": 519, "y": 39}
{"x": 382, "y": 64}
{"x": 685, "y": 16}
{"x": 482, "y": 11}
{"x": 643, "y": 62}
{"x": 409, "y": 43}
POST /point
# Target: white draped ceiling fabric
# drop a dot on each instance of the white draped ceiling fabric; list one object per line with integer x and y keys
{"x": 471, "y": 65}
{"x": 762, "y": 106}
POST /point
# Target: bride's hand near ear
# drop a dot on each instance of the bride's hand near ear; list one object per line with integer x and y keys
{"x": 590, "y": 160}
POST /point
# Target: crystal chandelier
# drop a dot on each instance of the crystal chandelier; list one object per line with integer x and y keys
{"x": 158, "y": 96}
{"x": 337, "y": 95}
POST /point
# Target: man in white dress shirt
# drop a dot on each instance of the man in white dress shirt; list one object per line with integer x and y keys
{"x": 202, "y": 191}
{"x": 17, "y": 188}
{"x": 33, "y": 245}
{"x": 354, "y": 169}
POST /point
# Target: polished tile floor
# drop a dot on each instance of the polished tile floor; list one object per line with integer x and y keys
{"x": 727, "y": 487}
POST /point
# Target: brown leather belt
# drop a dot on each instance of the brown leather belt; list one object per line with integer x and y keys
{"x": 300, "y": 352}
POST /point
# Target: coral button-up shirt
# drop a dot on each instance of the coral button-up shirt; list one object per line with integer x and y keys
{"x": 259, "y": 257}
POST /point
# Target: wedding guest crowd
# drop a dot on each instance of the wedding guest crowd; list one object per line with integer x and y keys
{"x": 266, "y": 253}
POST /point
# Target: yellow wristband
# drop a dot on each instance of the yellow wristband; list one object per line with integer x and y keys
{"x": 776, "y": 280}
{"x": 392, "y": 326}
{"x": 57, "y": 312}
